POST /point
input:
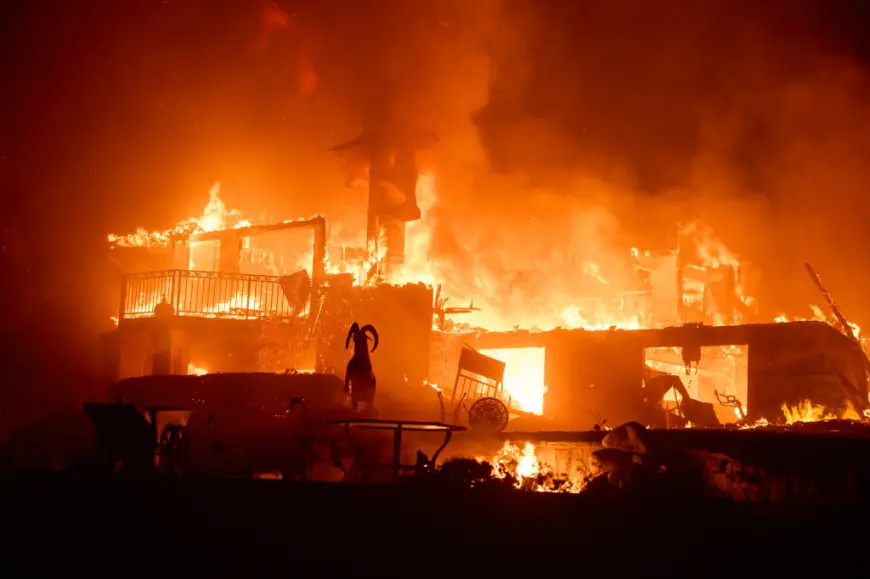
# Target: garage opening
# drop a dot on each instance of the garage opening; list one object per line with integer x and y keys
{"x": 524, "y": 376}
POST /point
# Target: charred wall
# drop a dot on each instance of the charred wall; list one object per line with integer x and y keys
{"x": 215, "y": 345}
{"x": 601, "y": 373}
{"x": 809, "y": 361}
{"x": 590, "y": 379}
{"x": 585, "y": 372}
{"x": 444, "y": 357}
{"x": 403, "y": 318}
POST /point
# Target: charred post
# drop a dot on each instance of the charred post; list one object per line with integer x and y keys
{"x": 392, "y": 183}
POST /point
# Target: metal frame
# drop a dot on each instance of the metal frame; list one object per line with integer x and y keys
{"x": 398, "y": 427}
{"x": 471, "y": 365}
{"x": 206, "y": 294}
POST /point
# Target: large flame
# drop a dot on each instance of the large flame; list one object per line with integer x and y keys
{"x": 530, "y": 473}
{"x": 820, "y": 316}
{"x": 568, "y": 287}
{"x": 214, "y": 217}
{"x": 807, "y": 411}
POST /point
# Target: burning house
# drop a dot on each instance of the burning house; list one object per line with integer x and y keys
{"x": 221, "y": 294}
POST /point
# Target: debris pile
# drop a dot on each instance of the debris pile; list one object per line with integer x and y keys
{"x": 527, "y": 472}
{"x": 624, "y": 462}
{"x": 514, "y": 468}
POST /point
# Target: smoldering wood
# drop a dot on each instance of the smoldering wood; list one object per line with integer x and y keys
{"x": 827, "y": 462}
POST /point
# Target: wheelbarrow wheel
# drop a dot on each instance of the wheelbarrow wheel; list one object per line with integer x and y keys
{"x": 488, "y": 415}
{"x": 172, "y": 451}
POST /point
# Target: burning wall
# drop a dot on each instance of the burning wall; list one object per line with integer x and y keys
{"x": 635, "y": 289}
{"x": 601, "y": 374}
{"x": 700, "y": 281}
{"x": 208, "y": 345}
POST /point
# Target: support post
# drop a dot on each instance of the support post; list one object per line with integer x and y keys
{"x": 397, "y": 451}
{"x": 122, "y": 309}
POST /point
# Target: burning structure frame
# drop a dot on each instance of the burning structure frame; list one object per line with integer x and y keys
{"x": 307, "y": 314}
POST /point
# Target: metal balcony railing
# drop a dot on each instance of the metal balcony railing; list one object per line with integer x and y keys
{"x": 214, "y": 295}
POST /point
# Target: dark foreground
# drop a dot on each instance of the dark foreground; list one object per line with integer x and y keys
{"x": 62, "y": 527}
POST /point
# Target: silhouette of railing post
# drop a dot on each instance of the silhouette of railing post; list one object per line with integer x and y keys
{"x": 141, "y": 292}
{"x": 176, "y": 290}
{"x": 123, "y": 305}
{"x": 248, "y": 298}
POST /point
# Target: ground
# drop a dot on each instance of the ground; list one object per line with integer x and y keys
{"x": 57, "y": 526}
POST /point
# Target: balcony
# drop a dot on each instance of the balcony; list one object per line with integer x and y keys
{"x": 216, "y": 295}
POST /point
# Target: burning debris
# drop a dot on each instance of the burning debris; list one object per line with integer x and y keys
{"x": 711, "y": 279}
{"x": 223, "y": 266}
{"x": 525, "y": 471}
{"x": 806, "y": 411}
{"x": 700, "y": 254}
{"x": 747, "y": 465}
{"x": 514, "y": 468}
{"x": 215, "y": 217}
{"x": 194, "y": 371}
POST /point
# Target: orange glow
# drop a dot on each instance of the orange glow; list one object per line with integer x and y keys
{"x": 194, "y": 371}
{"x": 723, "y": 368}
{"x": 806, "y": 411}
{"x": 540, "y": 292}
{"x": 530, "y": 472}
{"x": 214, "y": 217}
{"x": 819, "y": 316}
{"x": 524, "y": 376}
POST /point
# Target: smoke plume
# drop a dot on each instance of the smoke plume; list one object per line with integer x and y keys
{"x": 572, "y": 131}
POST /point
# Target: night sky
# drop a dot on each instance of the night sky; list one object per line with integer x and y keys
{"x": 752, "y": 115}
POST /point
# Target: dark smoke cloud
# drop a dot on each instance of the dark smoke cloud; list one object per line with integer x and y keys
{"x": 749, "y": 116}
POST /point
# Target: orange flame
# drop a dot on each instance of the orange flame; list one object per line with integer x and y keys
{"x": 214, "y": 217}
{"x": 529, "y": 472}
{"x": 566, "y": 303}
{"x": 195, "y": 371}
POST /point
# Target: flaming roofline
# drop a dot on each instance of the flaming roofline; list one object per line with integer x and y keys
{"x": 193, "y": 234}
{"x": 668, "y": 337}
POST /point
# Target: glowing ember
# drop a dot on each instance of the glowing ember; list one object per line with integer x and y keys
{"x": 194, "y": 371}
{"x": 240, "y": 304}
{"x": 806, "y": 411}
{"x": 434, "y": 387}
{"x": 529, "y": 473}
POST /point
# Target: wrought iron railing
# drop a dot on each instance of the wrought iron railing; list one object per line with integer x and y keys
{"x": 214, "y": 295}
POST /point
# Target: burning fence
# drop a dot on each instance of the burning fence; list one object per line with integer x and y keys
{"x": 223, "y": 266}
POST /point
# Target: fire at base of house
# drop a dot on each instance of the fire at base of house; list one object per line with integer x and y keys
{"x": 273, "y": 297}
